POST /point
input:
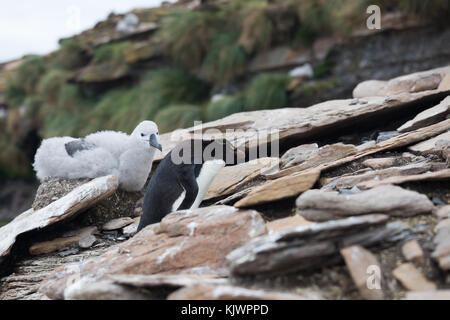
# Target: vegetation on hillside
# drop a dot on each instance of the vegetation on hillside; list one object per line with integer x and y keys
{"x": 204, "y": 51}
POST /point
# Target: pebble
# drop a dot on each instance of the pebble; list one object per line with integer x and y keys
{"x": 66, "y": 253}
{"x": 413, "y": 252}
{"x": 87, "y": 241}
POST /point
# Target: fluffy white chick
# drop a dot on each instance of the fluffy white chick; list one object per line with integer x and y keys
{"x": 129, "y": 157}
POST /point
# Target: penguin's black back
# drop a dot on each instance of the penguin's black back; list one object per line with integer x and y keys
{"x": 164, "y": 189}
{"x": 170, "y": 180}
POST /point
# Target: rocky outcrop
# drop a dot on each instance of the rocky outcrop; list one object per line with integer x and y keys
{"x": 68, "y": 206}
{"x": 372, "y": 148}
{"x": 284, "y": 187}
{"x": 429, "y": 116}
{"x": 327, "y": 240}
{"x": 232, "y": 178}
{"x": 84, "y": 237}
{"x": 297, "y": 123}
{"x": 317, "y": 205}
{"x": 119, "y": 204}
{"x": 183, "y": 241}
{"x": 310, "y": 247}
{"x": 351, "y": 180}
{"x": 415, "y": 82}
{"x": 435, "y": 145}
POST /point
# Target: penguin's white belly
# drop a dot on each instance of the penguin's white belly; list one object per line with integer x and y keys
{"x": 179, "y": 201}
{"x": 207, "y": 173}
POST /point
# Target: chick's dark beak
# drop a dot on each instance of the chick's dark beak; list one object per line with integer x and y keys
{"x": 154, "y": 142}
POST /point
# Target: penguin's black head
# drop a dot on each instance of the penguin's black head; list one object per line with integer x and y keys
{"x": 198, "y": 151}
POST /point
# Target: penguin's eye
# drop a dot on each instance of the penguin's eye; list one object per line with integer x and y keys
{"x": 142, "y": 134}
{"x": 157, "y": 133}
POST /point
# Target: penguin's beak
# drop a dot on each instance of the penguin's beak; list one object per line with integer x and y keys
{"x": 154, "y": 142}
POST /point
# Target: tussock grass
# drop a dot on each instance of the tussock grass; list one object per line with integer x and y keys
{"x": 224, "y": 107}
{"x": 186, "y": 36}
{"x": 178, "y": 116}
{"x": 50, "y": 84}
{"x": 114, "y": 52}
{"x": 267, "y": 91}
{"x": 28, "y": 74}
{"x": 226, "y": 59}
{"x": 71, "y": 55}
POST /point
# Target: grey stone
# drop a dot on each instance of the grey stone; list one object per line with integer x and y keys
{"x": 318, "y": 205}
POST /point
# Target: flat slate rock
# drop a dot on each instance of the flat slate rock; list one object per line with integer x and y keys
{"x": 66, "y": 207}
{"x": 437, "y": 175}
{"x": 169, "y": 280}
{"x": 428, "y": 295}
{"x": 318, "y": 205}
{"x": 231, "y": 178}
{"x": 64, "y": 243}
{"x": 287, "y": 223}
{"x": 423, "y": 81}
{"x": 255, "y": 128}
{"x": 229, "y": 292}
{"x": 323, "y": 155}
{"x": 349, "y": 181}
{"x": 429, "y": 116}
{"x": 310, "y": 247}
{"x": 281, "y": 188}
{"x": 118, "y": 223}
{"x": 362, "y": 265}
{"x": 412, "y": 279}
{"x": 412, "y": 251}
{"x": 442, "y": 251}
{"x": 183, "y": 240}
{"x": 369, "y": 148}
{"x": 382, "y": 163}
{"x": 434, "y": 145}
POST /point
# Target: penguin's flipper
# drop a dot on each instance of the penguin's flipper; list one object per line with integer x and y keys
{"x": 189, "y": 183}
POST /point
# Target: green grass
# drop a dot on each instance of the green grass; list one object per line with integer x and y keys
{"x": 168, "y": 86}
{"x": 71, "y": 55}
{"x": 186, "y": 36}
{"x": 111, "y": 53}
{"x": 28, "y": 74}
{"x": 226, "y": 59}
{"x": 224, "y": 107}
{"x": 51, "y": 83}
{"x": 214, "y": 44}
{"x": 267, "y": 91}
{"x": 257, "y": 28}
{"x": 178, "y": 116}
{"x": 13, "y": 162}
{"x": 122, "y": 108}
{"x": 14, "y": 94}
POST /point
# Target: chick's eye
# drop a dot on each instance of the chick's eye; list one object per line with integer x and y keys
{"x": 142, "y": 134}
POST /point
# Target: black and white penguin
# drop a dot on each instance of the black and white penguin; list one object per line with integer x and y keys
{"x": 184, "y": 176}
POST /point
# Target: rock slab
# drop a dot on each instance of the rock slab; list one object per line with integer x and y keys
{"x": 183, "y": 240}
{"x": 310, "y": 247}
{"x": 365, "y": 272}
{"x": 76, "y": 201}
{"x": 318, "y": 205}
